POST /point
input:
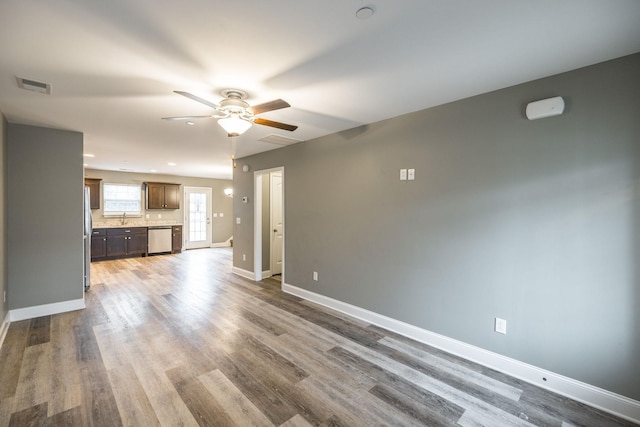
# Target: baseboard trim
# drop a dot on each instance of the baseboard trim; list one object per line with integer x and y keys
{"x": 220, "y": 245}
{"x": 243, "y": 273}
{"x": 45, "y": 309}
{"x": 225, "y": 244}
{"x": 605, "y": 400}
{"x": 4, "y": 328}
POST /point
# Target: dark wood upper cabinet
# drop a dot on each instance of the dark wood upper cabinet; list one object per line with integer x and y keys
{"x": 162, "y": 195}
{"x": 94, "y": 191}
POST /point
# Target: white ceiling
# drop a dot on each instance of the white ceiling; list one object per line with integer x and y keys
{"x": 113, "y": 65}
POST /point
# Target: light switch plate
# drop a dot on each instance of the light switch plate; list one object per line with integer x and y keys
{"x": 403, "y": 174}
{"x": 238, "y": 220}
{"x": 221, "y": 214}
{"x": 411, "y": 174}
{"x": 500, "y": 325}
{"x": 215, "y": 215}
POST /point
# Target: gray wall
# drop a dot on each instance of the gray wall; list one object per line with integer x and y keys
{"x": 44, "y": 216}
{"x": 222, "y": 226}
{"x": 4, "y": 305}
{"x": 537, "y": 222}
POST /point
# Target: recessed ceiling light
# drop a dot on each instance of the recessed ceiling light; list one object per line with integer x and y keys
{"x": 85, "y": 165}
{"x": 171, "y": 164}
{"x": 190, "y": 123}
{"x": 89, "y": 155}
{"x": 365, "y": 12}
{"x": 153, "y": 170}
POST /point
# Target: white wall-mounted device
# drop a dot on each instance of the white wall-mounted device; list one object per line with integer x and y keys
{"x": 545, "y": 108}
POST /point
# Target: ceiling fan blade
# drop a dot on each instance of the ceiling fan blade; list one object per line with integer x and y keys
{"x": 273, "y": 124}
{"x": 186, "y": 117}
{"x": 196, "y": 98}
{"x": 276, "y": 104}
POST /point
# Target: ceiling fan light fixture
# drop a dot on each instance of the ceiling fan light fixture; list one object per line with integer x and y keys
{"x": 234, "y": 125}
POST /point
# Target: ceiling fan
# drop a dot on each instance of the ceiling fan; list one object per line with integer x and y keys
{"x": 235, "y": 114}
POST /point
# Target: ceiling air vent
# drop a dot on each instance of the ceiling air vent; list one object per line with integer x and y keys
{"x": 34, "y": 86}
{"x": 279, "y": 140}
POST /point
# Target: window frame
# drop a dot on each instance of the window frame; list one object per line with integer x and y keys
{"x": 129, "y": 213}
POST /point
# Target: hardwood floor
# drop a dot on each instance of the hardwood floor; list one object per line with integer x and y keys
{"x": 178, "y": 340}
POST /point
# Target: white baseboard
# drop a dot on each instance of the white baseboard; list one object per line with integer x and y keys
{"x": 45, "y": 309}
{"x": 243, "y": 273}
{"x": 616, "y": 404}
{"x": 225, "y": 244}
{"x": 4, "y": 328}
{"x": 220, "y": 245}
{"x": 266, "y": 273}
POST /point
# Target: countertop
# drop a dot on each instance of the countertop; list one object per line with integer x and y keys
{"x": 134, "y": 224}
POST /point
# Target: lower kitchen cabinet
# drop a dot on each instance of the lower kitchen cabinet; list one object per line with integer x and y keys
{"x": 176, "y": 239}
{"x": 98, "y": 243}
{"x": 119, "y": 243}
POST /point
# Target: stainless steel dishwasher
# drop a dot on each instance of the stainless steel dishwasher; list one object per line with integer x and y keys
{"x": 159, "y": 239}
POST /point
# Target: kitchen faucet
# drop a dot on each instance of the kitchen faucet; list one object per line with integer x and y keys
{"x": 124, "y": 218}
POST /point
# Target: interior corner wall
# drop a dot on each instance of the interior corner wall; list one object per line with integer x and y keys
{"x": 44, "y": 216}
{"x": 536, "y": 222}
{"x": 4, "y": 306}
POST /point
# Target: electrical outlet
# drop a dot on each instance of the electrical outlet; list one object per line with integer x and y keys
{"x": 244, "y": 257}
{"x": 500, "y": 325}
{"x": 238, "y": 220}
{"x": 315, "y": 276}
{"x": 4, "y": 298}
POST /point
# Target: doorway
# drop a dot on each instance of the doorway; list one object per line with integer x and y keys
{"x": 276, "y": 222}
{"x": 197, "y": 217}
{"x": 269, "y": 223}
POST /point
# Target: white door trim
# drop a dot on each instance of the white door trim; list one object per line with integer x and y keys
{"x": 257, "y": 222}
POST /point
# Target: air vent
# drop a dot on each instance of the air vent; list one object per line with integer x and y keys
{"x": 280, "y": 140}
{"x": 34, "y": 86}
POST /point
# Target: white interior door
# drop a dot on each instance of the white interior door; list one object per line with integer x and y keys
{"x": 197, "y": 221}
{"x": 276, "y": 222}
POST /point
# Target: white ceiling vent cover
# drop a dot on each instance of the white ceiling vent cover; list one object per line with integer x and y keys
{"x": 280, "y": 140}
{"x": 34, "y": 86}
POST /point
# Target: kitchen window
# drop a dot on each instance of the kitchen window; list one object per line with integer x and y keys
{"x": 120, "y": 199}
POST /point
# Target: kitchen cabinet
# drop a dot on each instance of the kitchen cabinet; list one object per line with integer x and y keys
{"x": 94, "y": 192}
{"x": 126, "y": 242}
{"x": 98, "y": 243}
{"x": 162, "y": 195}
{"x": 176, "y": 239}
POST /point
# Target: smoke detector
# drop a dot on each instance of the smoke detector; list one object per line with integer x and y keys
{"x": 34, "y": 86}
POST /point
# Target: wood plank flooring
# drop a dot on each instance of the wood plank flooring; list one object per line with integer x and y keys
{"x": 178, "y": 340}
